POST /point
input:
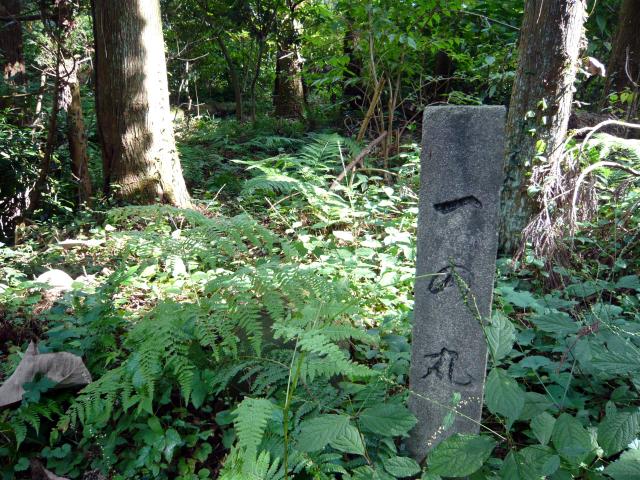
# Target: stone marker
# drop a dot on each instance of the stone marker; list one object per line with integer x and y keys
{"x": 461, "y": 177}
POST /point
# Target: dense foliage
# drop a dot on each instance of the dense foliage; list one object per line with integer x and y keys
{"x": 265, "y": 334}
{"x": 218, "y": 344}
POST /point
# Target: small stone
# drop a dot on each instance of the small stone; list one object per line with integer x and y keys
{"x": 56, "y": 279}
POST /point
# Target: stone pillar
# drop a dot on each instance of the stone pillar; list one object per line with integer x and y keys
{"x": 461, "y": 177}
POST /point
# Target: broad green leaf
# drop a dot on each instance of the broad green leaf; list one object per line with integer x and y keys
{"x": 516, "y": 467}
{"x": 571, "y": 440}
{"x": 387, "y": 419}
{"x": 430, "y": 476}
{"x": 588, "y": 288}
{"x": 534, "y": 362}
{"x": 500, "y": 336}
{"x": 543, "y": 458}
{"x": 558, "y": 323}
{"x": 172, "y": 440}
{"x": 318, "y": 432}
{"x": 460, "y": 455}
{"x": 627, "y": 467}
{"x": 616, "y": 431}
{"x": 631, "y": 282}
{"x": 34, "y": 390}
{"x": 155, "y": 425}
{"x": 350, "y": 441}
{"x": 521, "y": 299}
{"x": 542, "y": 427}
{"x": 503, "y": 395}
{"x": 401, "y": 467}
{"x": 617, "y": 363}
{"x": 535, "y": 404}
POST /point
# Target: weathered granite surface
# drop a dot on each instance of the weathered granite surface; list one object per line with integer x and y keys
{"x": 461, "y": 177}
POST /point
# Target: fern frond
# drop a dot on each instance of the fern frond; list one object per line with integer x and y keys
{"x": 252, "y": 415}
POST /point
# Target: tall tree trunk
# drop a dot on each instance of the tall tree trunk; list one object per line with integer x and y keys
{"x": 625, "y": 54}
{"x": 77, "y": 139}
{"x": 234, "y": 77}
{"x": 12, "y": 57}
{"x": 132, "y": 104}
{"x": 11, "y": 53}
{"x": 256, "y": 75}
{"x": 551, "y": 40}
{"x": 443, "y": 69}
{"x": 289, "y": 94}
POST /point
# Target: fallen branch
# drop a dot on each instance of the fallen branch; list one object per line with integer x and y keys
{"x": 359, "y": 158}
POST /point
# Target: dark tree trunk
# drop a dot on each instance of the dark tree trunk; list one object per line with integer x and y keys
{"x": 132, "y": 104}
{"x": 625, "y": 54}
{"x": 289, "y": 92}
{"x": 234, "y": 77}
{"x": 551, "y": 40}
{"x": 12, "y": 58}
{"x": 11, "y": 53}
{"x": 443, "y": 70}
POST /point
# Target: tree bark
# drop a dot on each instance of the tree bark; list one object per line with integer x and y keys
{"x": 11, "y": 49}
{"x": 289, "y": 92}
{"x": 132, "y": 104}
{"x": 625, "y": 54}
{"x": 77, "y": 138}
{"x": 12, "y": 59}
{"x": 551, "y": 40}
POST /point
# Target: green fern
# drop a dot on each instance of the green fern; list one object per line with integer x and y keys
{"x": 252, "y": 415}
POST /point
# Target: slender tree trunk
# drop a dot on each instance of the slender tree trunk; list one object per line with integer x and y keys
{"x": 551, "y": 40}
{"x": 234, "y": 77}
{"x": 77, "y": 139}
{"x": 256, "y": 75}
{"x": 132, "y": 104}
{"x": 289, "y": 95}
{"x": 35, "y": 195}
{"x": 625, "y": 54}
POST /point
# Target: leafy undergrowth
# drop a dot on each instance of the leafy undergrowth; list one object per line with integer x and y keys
{"x": 267, "y": 335}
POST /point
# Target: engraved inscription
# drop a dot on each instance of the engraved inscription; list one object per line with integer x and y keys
{"x": 445, "y": 278}
{"x": 445, "y": 367}
{"x": 453, "y": 205}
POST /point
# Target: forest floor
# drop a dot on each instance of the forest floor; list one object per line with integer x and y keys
{"x": 273, "y": 244}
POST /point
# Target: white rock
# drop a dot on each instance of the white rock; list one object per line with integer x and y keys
{"x": 56, "y": 279}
